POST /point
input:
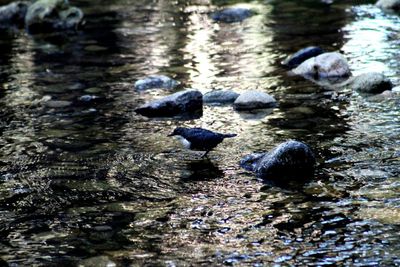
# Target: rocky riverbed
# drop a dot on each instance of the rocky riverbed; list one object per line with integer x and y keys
{"x": 87, "y": 181}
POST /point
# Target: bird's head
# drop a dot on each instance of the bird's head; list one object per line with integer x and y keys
{"x": 177, "y": 131}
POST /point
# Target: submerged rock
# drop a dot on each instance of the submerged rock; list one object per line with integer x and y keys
{"x": 52, "y": 15}
{"x": 302, "y": 55}
{"x": 389, "y": 4}
{"x": 156, "y": 81}
{"x": 326, "y": 65}
{"x": 181, "y": 103}
{"x": 13, "y": 14}
{"x": 254, "y": 100}
{"x": 233, "y": 14}
{"x": 292, "y": 160}
{"x": 220, "y": 97}
{"x": 371, "y": 83}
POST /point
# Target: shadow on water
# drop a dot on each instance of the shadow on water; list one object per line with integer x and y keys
{"x": 202, "y": 170}
{"x": 83, "y": 179}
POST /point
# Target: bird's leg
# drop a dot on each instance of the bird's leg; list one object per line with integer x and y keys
{"x": 205, "y": 154}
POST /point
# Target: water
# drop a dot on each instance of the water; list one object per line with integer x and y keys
{"x": 94, "y": 183}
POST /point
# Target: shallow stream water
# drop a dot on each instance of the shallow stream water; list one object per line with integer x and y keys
{"x": 91, "y": 182}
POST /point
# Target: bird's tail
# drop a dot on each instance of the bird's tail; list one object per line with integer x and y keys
{"x": 229, "y": 135}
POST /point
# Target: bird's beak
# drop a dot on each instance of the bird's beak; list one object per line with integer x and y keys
{"x": 171, "y": 134}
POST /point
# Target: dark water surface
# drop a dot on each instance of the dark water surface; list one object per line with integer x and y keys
{"x": 94, "y": 180}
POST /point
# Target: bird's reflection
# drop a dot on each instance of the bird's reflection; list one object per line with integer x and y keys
{"x": 202, "y": 170}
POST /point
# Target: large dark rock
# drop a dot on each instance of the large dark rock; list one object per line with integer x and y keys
{"x": 326, "y": 65}
{"x": 371, "y": 83}
{"x": 301, "y": 56}
{"x": 389, "y": 4}
{"x": 181, "y": 103}
{"x": 232, "y": 14}
{"x": 52, "y": 15}
{"x": 220, "y": 97}
{"x": 13, "y": 14}
{"x": 292, "y": 160}
{"x": 156, "y": 81}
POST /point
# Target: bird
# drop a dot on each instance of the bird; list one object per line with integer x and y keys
{"x": 199, "y": 138}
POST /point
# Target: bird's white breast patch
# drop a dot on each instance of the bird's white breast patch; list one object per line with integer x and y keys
{"x": 184, "y": 142}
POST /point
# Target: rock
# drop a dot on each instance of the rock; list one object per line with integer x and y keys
{"x": 326, "y": 65}
{"x": 230, "y": 15}
{"x": 383, "y": 97}
{"x": 220, "y": 97}
{"x": 13, "y": 14}
{"x": 251, "y": 161}
{"x": 155, "y": 81}
{"x": 88, "y": 98}
{"x": 254, "y": 100}
{"x": 302, "y": 55}
{"x": 181, "y": 103}
{"x": 52, "y": 15}
{"x": 292, "y": 160}
{"x": 389, "y": 4}
{"x": 371, "y": 83}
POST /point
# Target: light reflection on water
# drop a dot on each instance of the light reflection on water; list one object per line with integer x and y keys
{"x": 369, "y": 41}
{"x": 89, "y": 179}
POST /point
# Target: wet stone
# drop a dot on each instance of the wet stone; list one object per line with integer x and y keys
{"x": 13, "y": 14}
{"x": 230, "y": 15}
{"x": 52, "y": 15}
{"x": 250, "y": 100}
{"x": 156, "y": 81}
{"x": 326, "y": 65}
{"x": 301, "y": 56}
{"x": 88, "y": 98}
{"x": 371, "y": 83}
{"x": 292, "y": 160}
{"x": 181, "y": 103}
{"x": 220, "y": 97}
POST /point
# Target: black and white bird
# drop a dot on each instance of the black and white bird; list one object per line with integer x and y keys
{"x": 199, "y": 139}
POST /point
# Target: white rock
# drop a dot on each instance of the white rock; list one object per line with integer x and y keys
{"x": 254, "y": 100}
{"x": 326, "y": 65}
